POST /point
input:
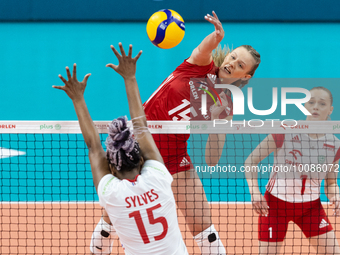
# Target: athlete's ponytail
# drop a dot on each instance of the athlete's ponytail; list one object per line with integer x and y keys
{"x": 219, "y": 54}
{"x": 122, "y": 150}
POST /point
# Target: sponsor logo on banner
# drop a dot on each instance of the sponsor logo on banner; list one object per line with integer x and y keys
{"x": 204, "y": 126}
{"x": 7, "y": 126}
{"x": 284, "y": 126}
{"x": 192, "y": 127}
{"x": 337, "y": 126}
{"x": 57, "y": 126}
{"x": 46, "y": 126}
{"x": 155, "y": 126}
{"x": 300, "y": 127}
{"x": 101, "y": 126}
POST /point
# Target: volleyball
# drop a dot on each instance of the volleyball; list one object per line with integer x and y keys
{"x": 165, "y": 29}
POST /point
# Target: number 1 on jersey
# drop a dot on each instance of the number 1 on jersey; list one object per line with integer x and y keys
{"x": 152, "y": 221}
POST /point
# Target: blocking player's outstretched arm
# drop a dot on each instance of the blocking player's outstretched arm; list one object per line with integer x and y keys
{"x": 75, "y": 90}
{"x": 263, "y": 150}
{"x": 127, "y": 69}
{"x": 201, "y": 55}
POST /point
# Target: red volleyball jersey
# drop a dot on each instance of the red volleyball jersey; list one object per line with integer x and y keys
{"x": 178, "y": 98}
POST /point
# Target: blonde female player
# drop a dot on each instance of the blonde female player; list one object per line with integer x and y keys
{"x": 295, "y": 196}
{"x": 176, "y": 99}
{"x": 131, "y": 180}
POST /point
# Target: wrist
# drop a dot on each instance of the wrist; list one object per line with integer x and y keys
{"x": 78, "y": 99}
{"x": 255, "y": 193}
{"x": 219, "y": 36}
{"x": 130, "y": 78}
{"x": 254, "y": 190}
{"x": 332, "y": 197}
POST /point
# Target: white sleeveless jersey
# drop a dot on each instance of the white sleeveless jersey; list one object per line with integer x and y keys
{"x": 143, "y": 211}
{"x": 301, "y": 163}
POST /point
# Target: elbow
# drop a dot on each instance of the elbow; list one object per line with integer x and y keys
{"x": 211, "y": 163}
{"x": 251, "y": 160}
{"x": 90, "y": 145}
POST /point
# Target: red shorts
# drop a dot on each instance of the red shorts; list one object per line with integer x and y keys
{"x": 309, "y": 216}
{"x": 174, "y": 153}
{"x": 178, "y": 162}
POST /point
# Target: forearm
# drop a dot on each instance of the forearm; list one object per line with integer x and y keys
{"x": 209, "y": 44}
{"x": 251, "y": 177}
{"x": 253, "y": 183}
{"x": 135, "y": 102}
{"x": 86, "y": 124}
{"x": 331, "y": 190}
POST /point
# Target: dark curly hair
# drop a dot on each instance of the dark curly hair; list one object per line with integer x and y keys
{"x": 122, "y": 150}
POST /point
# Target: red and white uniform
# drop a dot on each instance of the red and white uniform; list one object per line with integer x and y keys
{"x": 179, "y": 98}
{"x": 293, "y": 191}
{"x": 143, "y": 211}
{"x": 307, "y": 160}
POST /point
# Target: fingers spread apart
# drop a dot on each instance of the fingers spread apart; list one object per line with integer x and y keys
{"x": 123, "y": 53}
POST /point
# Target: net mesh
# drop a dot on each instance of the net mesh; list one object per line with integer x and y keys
{"x": 49, "y": 204}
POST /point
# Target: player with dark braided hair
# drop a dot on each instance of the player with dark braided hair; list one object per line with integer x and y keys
{"x": 122, "y": 150}
{"x": 131, "y": 180}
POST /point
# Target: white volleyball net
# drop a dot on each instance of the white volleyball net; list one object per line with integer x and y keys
{"x": 49, "y": 204}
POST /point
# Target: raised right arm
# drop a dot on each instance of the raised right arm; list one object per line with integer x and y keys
{"x": 202, "y": 55}
{"x": 75, "y": 90}
{"x": 127, "y": 69}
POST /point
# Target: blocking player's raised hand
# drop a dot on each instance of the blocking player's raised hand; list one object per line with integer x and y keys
{"x": 126, "y": 64}
{"x": 73, "y": 88}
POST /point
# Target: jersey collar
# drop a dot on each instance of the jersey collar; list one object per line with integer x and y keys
{"x": 134, "y": 180}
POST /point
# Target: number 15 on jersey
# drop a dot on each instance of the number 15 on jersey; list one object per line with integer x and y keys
{"x": 152, "y": 220}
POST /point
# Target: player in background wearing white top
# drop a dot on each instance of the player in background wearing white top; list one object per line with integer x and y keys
{"x": 131, "y": 180}
{"x": 296, "y": 197}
